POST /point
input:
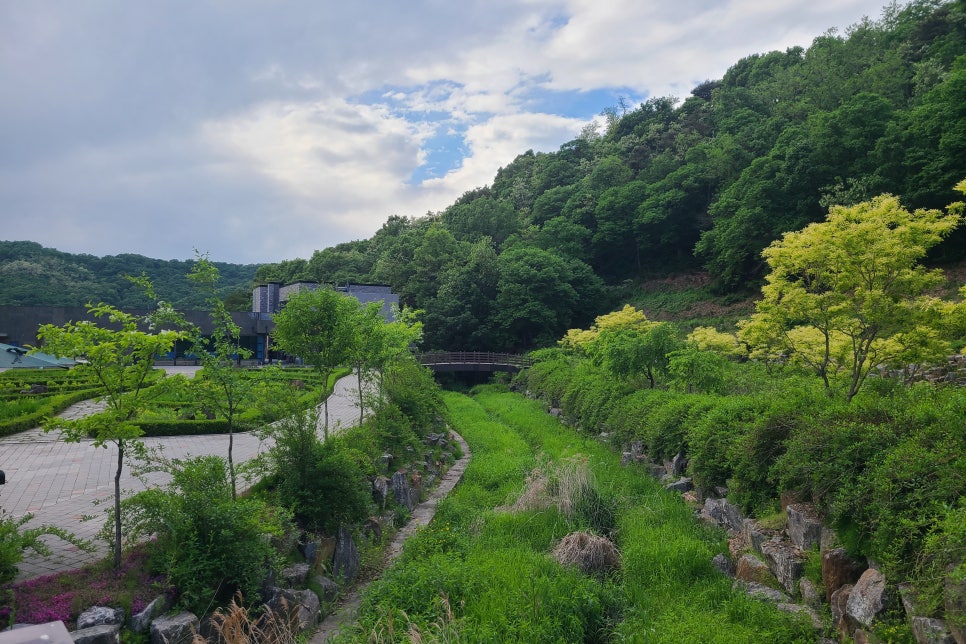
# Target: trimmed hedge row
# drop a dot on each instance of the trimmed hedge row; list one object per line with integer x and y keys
{"x": 53, "y": 405}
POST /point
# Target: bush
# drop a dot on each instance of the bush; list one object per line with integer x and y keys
{"x": 393, "y": 430}
{"x": 334, "y": 491}
{"x": 208, "y": 545}
{"x": 713, "y": 437}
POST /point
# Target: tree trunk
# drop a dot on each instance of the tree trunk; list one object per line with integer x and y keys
{"x": 117, "y": 504}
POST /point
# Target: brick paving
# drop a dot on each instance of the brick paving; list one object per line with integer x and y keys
{"x": 64, "y": 483}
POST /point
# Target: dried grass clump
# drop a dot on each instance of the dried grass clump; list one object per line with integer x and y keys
{"x": 591, "y": 554}
{"x": 235, "y": 625}
{"x": 560, "y": 485}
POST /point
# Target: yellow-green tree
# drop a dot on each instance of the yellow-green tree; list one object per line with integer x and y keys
{"x": 626, "y": 343}
{"x": 847, "y": 295}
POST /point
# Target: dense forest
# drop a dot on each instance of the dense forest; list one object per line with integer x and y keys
{"x": 675, "y": 186}
{"x": 31, "y": 275}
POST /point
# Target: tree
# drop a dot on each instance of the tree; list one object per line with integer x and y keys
{"x": 626, "y": 343}
{"x": 846, "y": 295}
{"x": 221, "y": 385}
{"x": 121, "y": 358}
{"x": 629, "y": 353}
{"x": 319, "y": 326}
{"x": 381, "y": 342}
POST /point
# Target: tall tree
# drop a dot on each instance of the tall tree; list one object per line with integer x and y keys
{"x": 318, "y": 326}
{"x": 848, "y": 294}
{"x": 222, "y": 385}
{"x": 121, "y": 358}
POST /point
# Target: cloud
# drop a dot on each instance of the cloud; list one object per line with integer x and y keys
{"x": 261, "y": 132}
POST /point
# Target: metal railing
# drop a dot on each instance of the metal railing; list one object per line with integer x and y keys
{"x": 474, "y": 357}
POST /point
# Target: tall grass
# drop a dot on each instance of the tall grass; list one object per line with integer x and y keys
{"x": 483, "y": 570}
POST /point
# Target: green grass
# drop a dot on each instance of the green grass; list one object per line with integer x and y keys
{"x": 486, "y": 574}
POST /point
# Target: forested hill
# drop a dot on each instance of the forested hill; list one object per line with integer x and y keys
{"x": 33, "y": 275}
{"x": 703, "y": 183}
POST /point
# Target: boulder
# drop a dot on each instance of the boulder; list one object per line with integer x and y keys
{"x": 99, "y": 634}
{"x": 179, "y": 628}
{"x": 380, "y": 491}
{"x": 372, "y": 528}
{"x": 927, "y": 630}
{"x": 809, "y": 592}
{"x": 294, "y": 575}
{"x": 98, "y": 616}
{"x": 838, "y": 603}
{"x": 345, "y": 564}
{"x": 637, "y": 450}
{"x": 300, "y": 607}
{"x": 722, "y": 513}
{"x": 683, "y": 484}
{"x": 401, "y": 491}
{"x": 679, "y": 464}
{"x": 723, "y": 564}
{"x": 804, "y": 525}
{"x": 141, "y": 622}
{"x": 310, "y": 550}
{"x": 761, "y": 591}
{"x": 868, "y": 599}
{"x": 753, "y": 569}
{"x": 330, "y": 589}
{"x": 785, "y": 561}
{"x": 838, "y": 569}
{"x": 755, "y": 535}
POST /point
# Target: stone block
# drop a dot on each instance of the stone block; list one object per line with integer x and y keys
{"x": 868, "y": 599}
{"x": 174, "y": 629}
{"x": 99, "y": 634}
{"x": 785, "y": 561}
{"x": 98, "y": 616}
{"x": 838, "y": 569}
{"x": 804, "y": 525}
{"x": 722, "y": 513}
{"x": 928, "y": 630}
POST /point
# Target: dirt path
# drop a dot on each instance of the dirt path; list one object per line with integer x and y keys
{"x": 423, "y": 513}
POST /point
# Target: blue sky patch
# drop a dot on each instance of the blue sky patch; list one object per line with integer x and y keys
{"x": 445, "y": 151}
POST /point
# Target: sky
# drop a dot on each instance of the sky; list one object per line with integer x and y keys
{"x": 257, "y": 131}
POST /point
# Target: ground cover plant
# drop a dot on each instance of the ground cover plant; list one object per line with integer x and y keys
{"x": 484, "y": 569}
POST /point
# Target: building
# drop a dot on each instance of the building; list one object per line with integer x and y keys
{"x": 19, "y": 324}
{"x": 270, "y": 298}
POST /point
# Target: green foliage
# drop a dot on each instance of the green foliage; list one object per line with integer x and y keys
{"x": 120, "y": 358}
{"x": 15, "y": 540}
{"x": 208, "y": 544}
{"x": 847, "y": 295}
{"x": 319, "y": 326}
{"x": 693, "y": 370}
{"x": 322, "y": 484}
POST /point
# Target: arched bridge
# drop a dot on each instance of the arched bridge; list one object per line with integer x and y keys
{"x": 473, "y": 361}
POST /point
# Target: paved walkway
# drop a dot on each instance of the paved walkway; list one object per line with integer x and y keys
{"x": 62, "y": 483}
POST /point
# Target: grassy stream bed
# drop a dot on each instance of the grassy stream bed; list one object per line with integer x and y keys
{"x": 488, "y": 568}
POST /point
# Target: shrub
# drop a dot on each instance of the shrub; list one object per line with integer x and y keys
{"x": 713, "y": 437}
{"x": 208, "y": 545}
